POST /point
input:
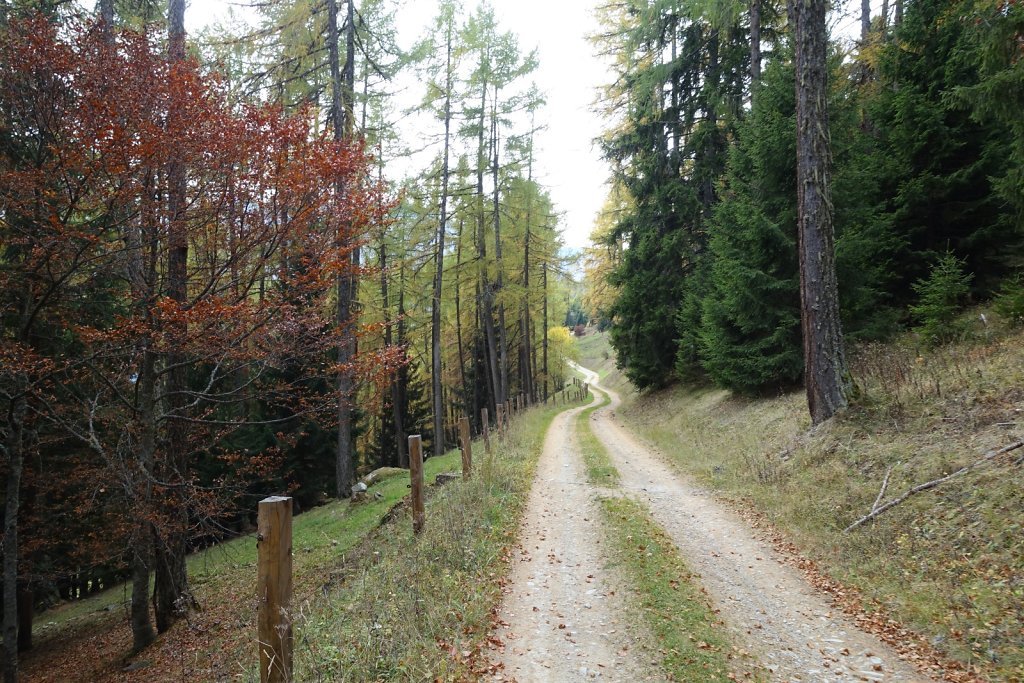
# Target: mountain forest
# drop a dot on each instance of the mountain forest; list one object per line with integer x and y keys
{"x": 254, "y": 258}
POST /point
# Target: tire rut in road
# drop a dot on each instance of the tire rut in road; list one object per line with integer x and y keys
{"x": 766, "y": 604}
{"x": 561, "y": 618}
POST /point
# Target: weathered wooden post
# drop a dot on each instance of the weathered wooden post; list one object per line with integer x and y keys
{"x": 274, "y": 588}
{"x": 416, "y": 477}
{"x": 467, "y": 448}
{"x": 486, "y": 430}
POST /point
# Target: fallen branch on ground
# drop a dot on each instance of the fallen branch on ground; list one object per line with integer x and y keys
{"x": 876, "y": 510}
{"x": 881, "y": 491}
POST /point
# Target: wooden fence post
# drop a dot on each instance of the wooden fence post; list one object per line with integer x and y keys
{"x": 486, "y": 430}
{"x": 467, "y": 448}
{"x": 274, "y": 586}
{"x": 416, "y": 479}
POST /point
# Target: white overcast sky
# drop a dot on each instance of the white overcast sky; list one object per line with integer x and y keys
{"x": 568, "y": 162}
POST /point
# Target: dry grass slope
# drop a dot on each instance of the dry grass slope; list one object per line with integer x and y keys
{"x": 949, "y": 562}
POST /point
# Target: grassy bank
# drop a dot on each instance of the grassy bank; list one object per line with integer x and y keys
{"x": 600, "y": 469}
{"x": 420, "y": 608}
{"x": 949, "y": 562}
{"x": 357, "y": 579}
{"x": 667, "y": 598}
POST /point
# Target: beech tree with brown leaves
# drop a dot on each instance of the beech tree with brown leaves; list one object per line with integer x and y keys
{"x": 91, "y": 211}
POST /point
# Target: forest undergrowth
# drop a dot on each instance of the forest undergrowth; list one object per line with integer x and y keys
{"x": 948, "y": 563}
{"x": 370, "y": 600}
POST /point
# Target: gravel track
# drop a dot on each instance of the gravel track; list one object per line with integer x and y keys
{"x": 562, "y": 618}
{"x": 767, "y": 606}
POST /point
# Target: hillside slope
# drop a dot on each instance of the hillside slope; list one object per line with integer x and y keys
{"x": 948, "y": 563}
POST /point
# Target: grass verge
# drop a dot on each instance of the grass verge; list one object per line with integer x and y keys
{"x": 600, "y": 469}
{"x": 683, "y": 624}
{"x": 420, "y": 607}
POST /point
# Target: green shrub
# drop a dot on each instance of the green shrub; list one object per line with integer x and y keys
{"x": 1009, "y": 303}
{"x": 941, "y": 295}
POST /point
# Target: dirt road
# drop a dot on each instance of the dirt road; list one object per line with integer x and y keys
{"x": 563, "y": 615}
{"x": 766, "y": 605}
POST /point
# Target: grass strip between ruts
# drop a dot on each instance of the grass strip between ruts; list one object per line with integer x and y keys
{"x": 686, "y": 632}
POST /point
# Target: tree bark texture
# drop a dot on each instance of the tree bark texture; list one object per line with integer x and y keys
{"x": 502, "y": 337}
{"x": 171, "y": 591}
{"x": 341, "y": 121}
{"x": 14, "y": 446}
{"x": 825, "y": 374}
{"x": 487, "y": 301}
{"x": 755, "y": 44}
{"x": 435, "y": 308}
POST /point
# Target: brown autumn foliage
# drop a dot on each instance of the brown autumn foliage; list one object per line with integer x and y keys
{"x": 89, "y": 327}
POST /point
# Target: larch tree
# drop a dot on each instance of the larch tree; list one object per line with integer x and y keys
{"x": 826, "y": 377}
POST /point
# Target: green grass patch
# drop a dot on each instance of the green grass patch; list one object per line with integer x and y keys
{"x": 419, "y": 607}
{"x": 600, "y": 469}
{"x": 319, "y": 536}
{"x": 678, "y": 615}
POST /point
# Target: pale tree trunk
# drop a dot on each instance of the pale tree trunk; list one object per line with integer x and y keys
{"x": 865, "y": 20}
{"x": 755, "y": 45}
{"x": 524, "y": 321}
{"x": 458, "y": 320}
{"x": 106, "y": 11}
{"x": 342, "y": 84}
{"x": 435, "y": 309}
{"x": 487, "y": 302}
{"x": 825, "y": 374}
{"x": 544, "y": 286}
{"x": 502, "y": 340}
{"x": 402, "y": 385}
{"x": 396, "y": 405}
{"x": 171, "y": 591}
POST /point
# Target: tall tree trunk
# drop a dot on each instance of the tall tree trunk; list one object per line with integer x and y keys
{"x": 885, "y": 16}
{"x": 14, "y": 447}
{"x": 396, "y": 405}
{"x": 342, "y": 85}
{"x": 26, "y": 610}
{"x": 524, "y": 321}
{"x": 502, "y": 338}
{"x": 458, "y": 319}
{"x": 401, "y": 392}
{"x": 897, "y": 13}
{"x": 825, "y": 374}
{"x": 106, "y": 12}
{"x": 171, "y": 591}
{"x": 544, "y": 286}
{"x": 142, "y": 491}
{"x": 435, "y": 309}
{"x": 711, "y": 147}
{"x": 487, "y": 302}
{"x": 865, "y": 20}
{"x": 755, "y": 45}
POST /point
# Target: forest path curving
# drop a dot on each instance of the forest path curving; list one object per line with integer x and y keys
{"x": 562, "y": 618}
{"x": 767, "y": 606}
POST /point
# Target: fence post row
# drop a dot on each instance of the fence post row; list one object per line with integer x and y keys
{"x": 274, "y": 586}
{"x": 467, "y": 448}
{"x": 416, "y": 481}
{"x": 486, "y": 429}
